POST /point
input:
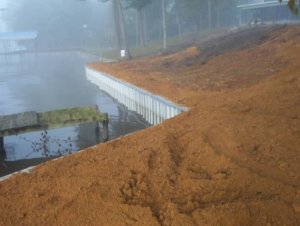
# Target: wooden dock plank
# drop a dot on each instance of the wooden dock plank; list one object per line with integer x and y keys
{"x": 72, "y": 116}
{"x": 33, "y": 121}
{"x": 27, "y": 119}
{"x": 18, "y": 121}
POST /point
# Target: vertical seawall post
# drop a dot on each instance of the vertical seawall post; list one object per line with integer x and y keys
{"x": 154, "y": 109}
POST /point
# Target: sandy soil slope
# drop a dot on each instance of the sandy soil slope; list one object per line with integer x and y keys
{"x": 233, "y": 159}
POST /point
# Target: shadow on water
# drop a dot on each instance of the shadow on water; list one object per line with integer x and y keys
{"x": 50, "y": 81}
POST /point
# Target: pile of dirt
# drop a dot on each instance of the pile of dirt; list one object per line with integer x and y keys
{"x": 232, "y": 159}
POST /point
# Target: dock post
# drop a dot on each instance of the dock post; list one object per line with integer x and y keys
{"x": 105, "y": 128}
{"x": 1, "y": 144}
{"x": 2, "y": 150}
{"x": 97, "y": 132}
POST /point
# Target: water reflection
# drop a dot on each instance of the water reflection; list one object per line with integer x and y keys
{"x": 49, "y": 81}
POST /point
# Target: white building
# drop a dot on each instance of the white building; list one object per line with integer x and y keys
{"x": 15, "y": 42}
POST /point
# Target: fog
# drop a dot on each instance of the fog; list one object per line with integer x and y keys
{"x": 112, "y": 24}
{"x": 60, "y": 24}
{"x": 99, "y": 26}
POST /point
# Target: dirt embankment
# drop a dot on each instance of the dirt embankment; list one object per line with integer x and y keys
{"x": 233, "y": 159}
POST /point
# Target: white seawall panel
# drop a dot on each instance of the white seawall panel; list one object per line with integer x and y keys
{"x": 153, "y": 108}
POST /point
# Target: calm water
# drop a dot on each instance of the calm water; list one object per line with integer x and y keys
{"x": 50, "y": 81}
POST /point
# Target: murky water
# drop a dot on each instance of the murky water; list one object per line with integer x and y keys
{"x": 50, "y": 81}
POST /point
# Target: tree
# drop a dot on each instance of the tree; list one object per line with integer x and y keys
{"x": 141, "y": 30}
{"x": 123, "y": 27}
{"x": 139, "y": 5}
{"x": 196, "y": 15}
{"x": 120, "y": 27}
{"x": 164, "y": 23}
{"x": 293, "y": 6}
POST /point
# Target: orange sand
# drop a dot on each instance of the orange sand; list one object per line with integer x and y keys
{"x": 233, "y": 159}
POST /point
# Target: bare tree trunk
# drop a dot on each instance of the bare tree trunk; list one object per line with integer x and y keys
{"x": 141, "y": 29}
{"x": 218, "y": 17}
{"x": 164, "y": 23}
{"x": 178, "y": 21}
{"x": 144, "y": 27}
{"x": 209, "y": 14}
{"x": 123, "y": 29}
{"x": 117, "y": 23}
{"x": 137, "y": 34}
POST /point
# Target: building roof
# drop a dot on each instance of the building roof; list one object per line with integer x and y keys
{"x": 27, "y": 35}
{"x": 255, "y": 4}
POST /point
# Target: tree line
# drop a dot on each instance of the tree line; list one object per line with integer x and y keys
{"x": 138, "y": 22}
{"x": 121, "y": 24}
